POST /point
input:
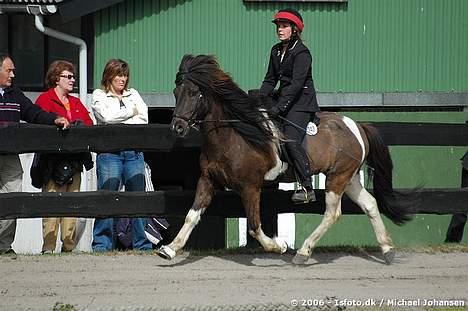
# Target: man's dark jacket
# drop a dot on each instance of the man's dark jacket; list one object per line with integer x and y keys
{"x": 15, "y": 106}
{"x": 296, "y": 89}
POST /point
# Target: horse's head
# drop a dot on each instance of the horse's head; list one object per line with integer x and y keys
{"x": 195, "y": 79}
{"x": 188, "y": 108}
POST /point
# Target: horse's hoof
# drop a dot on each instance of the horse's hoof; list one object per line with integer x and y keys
{"x": 166, "y": 252}
{"x": 389, "y": 256}
{"x": 300, "y": 259}
{"x": 282, "y": 244}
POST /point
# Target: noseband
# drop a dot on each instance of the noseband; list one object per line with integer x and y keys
{"x": 192, "y": 120}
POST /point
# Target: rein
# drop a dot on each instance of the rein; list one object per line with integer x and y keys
{"x": 193, "y": 120}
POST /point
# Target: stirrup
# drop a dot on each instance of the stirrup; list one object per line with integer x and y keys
{"x": 303, "y": 196}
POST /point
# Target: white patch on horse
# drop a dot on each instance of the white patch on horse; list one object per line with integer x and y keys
{"x": 280, "y": 166}
{"x": 354, "y": 129}
{"x": 191, "y": 220}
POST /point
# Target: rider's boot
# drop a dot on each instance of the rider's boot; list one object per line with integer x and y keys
{"x": 304, "y": 195}
{"x": 301, "y": 164}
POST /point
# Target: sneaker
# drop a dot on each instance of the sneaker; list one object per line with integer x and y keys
{"x": 305, "y": 195}
{"x": 151, "y": 231}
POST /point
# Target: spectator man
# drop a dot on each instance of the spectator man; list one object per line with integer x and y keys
{"x": 15, "y": 106}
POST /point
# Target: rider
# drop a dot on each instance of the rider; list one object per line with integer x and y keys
{"x": 291, "y": 65}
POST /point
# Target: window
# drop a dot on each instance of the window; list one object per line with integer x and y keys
{"x": 32, "y": 51}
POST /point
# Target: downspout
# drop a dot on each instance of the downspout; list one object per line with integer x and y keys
{"x": 74, "y": 40}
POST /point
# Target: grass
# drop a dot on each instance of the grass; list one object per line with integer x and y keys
{"x": 431, "y": 249}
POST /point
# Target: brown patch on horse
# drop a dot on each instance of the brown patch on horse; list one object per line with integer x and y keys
{"x": 334, "y": 150}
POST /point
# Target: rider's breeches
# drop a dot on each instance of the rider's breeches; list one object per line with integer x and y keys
{"x": 294, "y": 136}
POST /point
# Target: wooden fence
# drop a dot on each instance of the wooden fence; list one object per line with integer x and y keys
{"x": 22, "y": 138}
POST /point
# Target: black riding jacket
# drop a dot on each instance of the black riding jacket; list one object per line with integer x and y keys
{"x": 15, "y": 106}
{"x": 294, "y": 72}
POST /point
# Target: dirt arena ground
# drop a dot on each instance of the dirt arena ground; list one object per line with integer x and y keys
{"x": 122, "y": 281}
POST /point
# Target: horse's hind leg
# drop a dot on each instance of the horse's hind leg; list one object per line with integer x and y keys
{"x": 368, "y": 204}
{"x": 331, "y": 215}
{"x": 251, "y": 200}
{"x": 203, "y": 197}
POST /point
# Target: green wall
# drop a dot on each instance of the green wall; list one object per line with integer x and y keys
{"x": 358, "y": 46}
{"x": 357, "y": 230}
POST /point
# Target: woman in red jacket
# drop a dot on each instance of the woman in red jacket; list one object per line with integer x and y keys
{"x": 62, "y": 172}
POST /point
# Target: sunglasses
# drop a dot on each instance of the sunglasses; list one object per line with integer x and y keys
{"x": 69, "y": 77}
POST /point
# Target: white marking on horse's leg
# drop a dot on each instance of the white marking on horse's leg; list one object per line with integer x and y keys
{"x": 355, "y": 130}
{"x": 331, "y": 215}
{"x": 368, "y": 204}
{"x": 191, "y": 220}
{"x": 279, "y": 168}
{"x": 276, "y": 245}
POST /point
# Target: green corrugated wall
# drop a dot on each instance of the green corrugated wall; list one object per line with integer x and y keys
{"x": 359, "y": 46}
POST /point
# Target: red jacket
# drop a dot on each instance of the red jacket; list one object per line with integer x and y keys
{"x": 50, "y": 102}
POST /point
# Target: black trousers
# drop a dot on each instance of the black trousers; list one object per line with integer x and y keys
{"x": 295, "y": 135}
{"x": 457, "y": 224}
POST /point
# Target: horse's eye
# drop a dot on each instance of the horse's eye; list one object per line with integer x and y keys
{"x": 193, "y": 93}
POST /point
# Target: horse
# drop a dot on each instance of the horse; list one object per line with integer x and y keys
{"x": 240, "y": 149}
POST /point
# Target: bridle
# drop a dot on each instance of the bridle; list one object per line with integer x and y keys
{"x": 193, "y": 120}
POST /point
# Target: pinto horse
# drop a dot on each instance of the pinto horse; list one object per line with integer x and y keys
{"x": 240, "y": 150}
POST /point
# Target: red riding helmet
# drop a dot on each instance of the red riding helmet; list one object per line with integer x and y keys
{"x": 290, "y": 16}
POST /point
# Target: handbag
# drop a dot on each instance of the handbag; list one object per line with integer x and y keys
{"x": 63, "y": 172}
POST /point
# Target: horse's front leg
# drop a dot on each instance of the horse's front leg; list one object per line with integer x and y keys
{"x": 251, "y": 200}
{"x": 203, "y": 197}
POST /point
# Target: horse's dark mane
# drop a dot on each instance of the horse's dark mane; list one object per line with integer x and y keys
{"x": 205, "y": 72}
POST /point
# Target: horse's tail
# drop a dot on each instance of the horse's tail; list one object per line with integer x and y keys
{"x": 395, "y": 205}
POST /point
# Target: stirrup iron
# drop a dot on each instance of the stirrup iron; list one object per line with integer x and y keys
{"x": 303, "y": 196}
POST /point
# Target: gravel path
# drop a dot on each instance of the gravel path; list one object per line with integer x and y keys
{"x": 244, "y": 282}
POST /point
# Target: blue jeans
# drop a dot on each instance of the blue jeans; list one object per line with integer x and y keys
{"x": 113, "y": 169}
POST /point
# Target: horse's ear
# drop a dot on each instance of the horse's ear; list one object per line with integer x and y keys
{"x": 187, "y": 58}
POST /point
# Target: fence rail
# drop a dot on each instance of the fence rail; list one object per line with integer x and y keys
{"x": 177, "y": 203}
{"x": 24, "y": 138}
